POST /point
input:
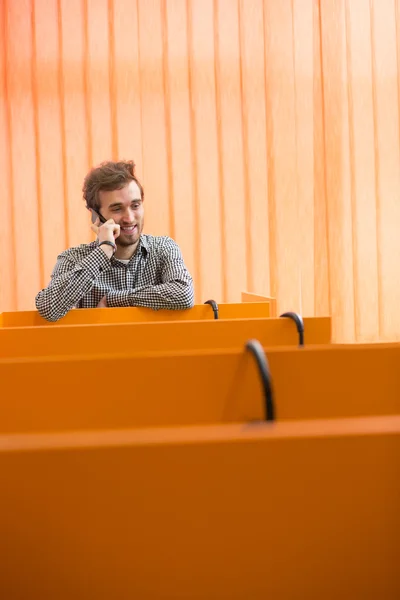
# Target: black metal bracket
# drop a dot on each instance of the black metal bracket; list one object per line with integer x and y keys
{"x": 214, "y": 306}
{"x": 298, "y": 320}
{"x": 257, "y": 351}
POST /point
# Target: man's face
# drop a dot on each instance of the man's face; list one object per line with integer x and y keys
{"x": 125, "y": 206}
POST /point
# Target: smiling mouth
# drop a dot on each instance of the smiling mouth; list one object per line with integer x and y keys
{"x": 128, "y": 230}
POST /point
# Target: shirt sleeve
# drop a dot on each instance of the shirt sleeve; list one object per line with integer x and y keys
{"x": 176, "y": 292}
{"x": 70, "y": 282}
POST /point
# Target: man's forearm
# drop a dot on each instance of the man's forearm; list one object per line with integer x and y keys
{"x": 68, "y": 287}
{"x": 175, "y": 295}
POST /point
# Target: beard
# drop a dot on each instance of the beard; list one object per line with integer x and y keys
{"x": 125, "y": 240}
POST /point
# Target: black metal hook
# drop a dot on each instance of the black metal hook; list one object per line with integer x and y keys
{"x": 257, "y": 351}
{"x": 214, "y": 306}
{"x": 299, "y": 324}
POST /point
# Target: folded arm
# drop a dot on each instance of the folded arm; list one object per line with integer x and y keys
{"x": 175, "y": 292}
{"x": 69, "y": 283}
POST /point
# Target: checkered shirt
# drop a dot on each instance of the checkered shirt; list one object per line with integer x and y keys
{"x": 155, "y": 277}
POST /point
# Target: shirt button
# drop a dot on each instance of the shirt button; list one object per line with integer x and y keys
{"x": 101, "y": 268}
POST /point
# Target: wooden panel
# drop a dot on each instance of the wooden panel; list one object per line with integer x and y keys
{"x": 362, "y": 165}
{"x": 181, "y": 167}
{"x": 74, "y": 112}
{"x": 321, "y": 266}
{"x": 266, "y": 135}
{"x": 254, "y": 143}
{"x": 8, "y": 287}
{"x": 130, "y": 315}
{"x": 281, "y": 140}
{"x": 205, "y": 140}
{"x": 230, "y": 139}
{"x": 196, "y": 387}
{"x": 385, "y": 25}
{"x": 224, "y": 525}
{"x": 127, "y": 81}
{"x": 303, "y": 62}
{"x": 338, "y": 190}
{"x": 27, "y": 268}
{"x": 98, "y": 54}
{"x": 76, "y": 340}
{"x": 249, "y": 297}
{"x": 48, "y": 115}
{"x": 181, "y": 388}
{"x": 153, "y": 112}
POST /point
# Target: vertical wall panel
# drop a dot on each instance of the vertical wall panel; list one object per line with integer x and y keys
{"x": 127, "y": 82}
{"x": 255, "y": 144}
{"x": 386, "y": 77}
{"x": 28, "y": 252}
{"x": 97, "y": 62}
{"x": 232, "y": 190}
{"x": 154, "y": 129}
{"x": 321, "y": 263}
{"x": 8, "y": 291}
{"x": 362, "y": 166}
{"x": 181, "y": 166}
{"x": 266, "y": 134}
{"x": 49, "y": 141}
{"x": 303, "y": 51}
{"x": 339, "y": 201}
{"x": 202, "y": 65}
{"x": 282, "y": 150}
{"x": 73, "y": 108}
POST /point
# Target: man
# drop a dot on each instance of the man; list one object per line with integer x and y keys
{"x": 123, "y": 267}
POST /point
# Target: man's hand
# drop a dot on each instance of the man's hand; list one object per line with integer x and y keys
{"x": 103, "y": 302}
{"x": 109, "y": 231}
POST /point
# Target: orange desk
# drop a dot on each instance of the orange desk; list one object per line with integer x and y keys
{"x": 250, "y": 297}
{"x": 196, "y": 387}
{"x": 79, "y": 340}
{"x": 296, "y": 510}
{"x": 201, "y": 312}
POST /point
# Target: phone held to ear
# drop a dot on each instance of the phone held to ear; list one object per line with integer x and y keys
{"x": 96, "y": 215}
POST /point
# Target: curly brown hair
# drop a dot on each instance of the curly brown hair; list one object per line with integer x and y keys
{"x": 108, "y": 176}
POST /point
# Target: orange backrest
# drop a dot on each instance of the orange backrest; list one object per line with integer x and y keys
{"x": 148, "y": 389}
{"x": 133, "y": 315}
{"x": 174, "y": 335}
{"x": 250, "y": 297}
{"x": 285, "y": 511}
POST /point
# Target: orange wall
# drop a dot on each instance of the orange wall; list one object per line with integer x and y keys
{"x": 266, "y": 134}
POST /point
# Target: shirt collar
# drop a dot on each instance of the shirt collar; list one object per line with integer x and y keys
{"x": 143, "y": 244}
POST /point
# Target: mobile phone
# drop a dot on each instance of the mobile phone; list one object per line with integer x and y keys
{"x": 96, "y": 215}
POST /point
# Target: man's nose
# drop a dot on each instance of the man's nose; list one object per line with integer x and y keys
{"x": 128, "y": 216}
